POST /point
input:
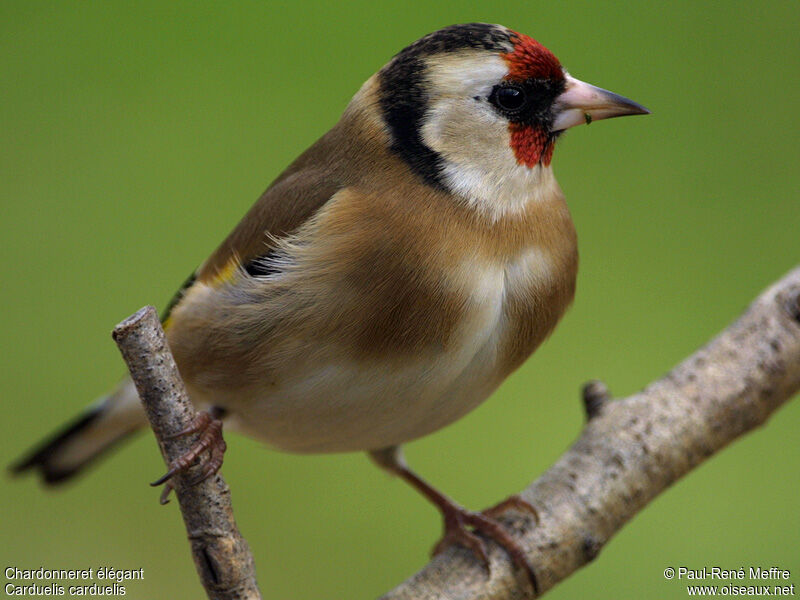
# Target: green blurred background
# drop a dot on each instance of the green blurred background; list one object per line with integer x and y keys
{"x": 133, "y": 136}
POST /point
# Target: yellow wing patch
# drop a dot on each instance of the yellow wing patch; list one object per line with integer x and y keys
{"x": 226, "y": 274}
{"x": 221, "y": 277}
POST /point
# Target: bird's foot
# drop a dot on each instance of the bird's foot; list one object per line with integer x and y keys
{"x": 210, "y": 440}
{"x": 461, "y": 525}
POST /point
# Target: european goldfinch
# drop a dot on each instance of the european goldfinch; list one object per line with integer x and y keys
{"x": 391, "y": 277}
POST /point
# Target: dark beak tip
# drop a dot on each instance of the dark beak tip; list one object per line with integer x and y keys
{"x": 634, "y": 108}
{"x": 627, "y": 105}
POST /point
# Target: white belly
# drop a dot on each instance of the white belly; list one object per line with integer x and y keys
{"x": 334, "y": 406}
{"x": 339, "y": 409}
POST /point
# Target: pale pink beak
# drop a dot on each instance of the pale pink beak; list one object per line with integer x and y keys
{"x": 583, "y": 103}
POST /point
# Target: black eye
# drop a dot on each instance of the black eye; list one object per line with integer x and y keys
{"x": 510, "y": 98}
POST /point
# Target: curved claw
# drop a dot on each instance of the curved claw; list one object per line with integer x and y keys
{"x": 164, "y": 498}
{"x": 460, "y": 535}
{"x": 210, "y": 440}
{"x": 213, "y": 464}
{"x": 165, "y": 477}
{"x": 457, "y": 519}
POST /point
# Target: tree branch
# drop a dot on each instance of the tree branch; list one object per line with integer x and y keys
{"x": 632, "y": 449}
{"x": 221, "y": 554}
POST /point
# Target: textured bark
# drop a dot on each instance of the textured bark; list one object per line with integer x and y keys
{"x": 632, "y": 449}
{"x": 221, "y": 554}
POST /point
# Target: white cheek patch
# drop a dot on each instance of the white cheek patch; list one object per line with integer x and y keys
{"x": 479, "y": 165}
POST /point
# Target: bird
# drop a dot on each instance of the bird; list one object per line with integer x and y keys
{"x": 390, "y": 279}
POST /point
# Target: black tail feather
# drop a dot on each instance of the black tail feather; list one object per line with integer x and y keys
{"x": 42, "y": 456}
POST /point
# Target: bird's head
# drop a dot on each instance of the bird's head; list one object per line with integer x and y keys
{"x": 476, "y": 109}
